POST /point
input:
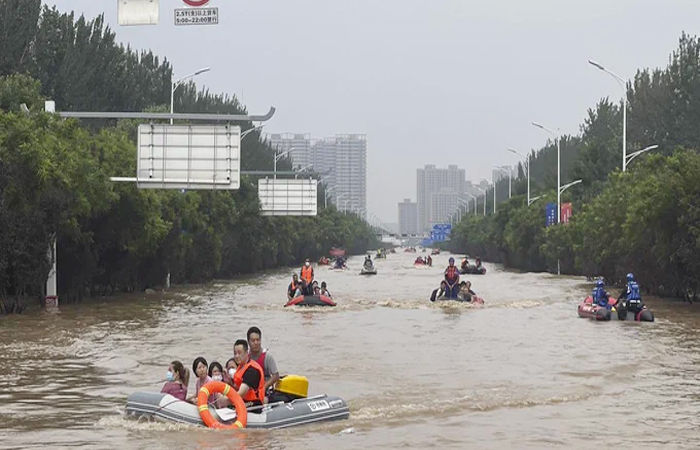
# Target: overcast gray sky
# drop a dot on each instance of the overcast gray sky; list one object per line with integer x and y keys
{"x": 429, "y": 81}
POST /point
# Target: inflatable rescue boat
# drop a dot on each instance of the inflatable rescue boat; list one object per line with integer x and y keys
{"x": 298, "y": 411}
{"x": 311, "y": 300}
{"x": 473, "y": 270}
{"x": 590, "y": 310}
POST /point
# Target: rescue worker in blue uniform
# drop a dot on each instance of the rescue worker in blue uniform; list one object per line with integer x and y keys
{"x": 600, "y": 296}
{"x": 632, "y": 297}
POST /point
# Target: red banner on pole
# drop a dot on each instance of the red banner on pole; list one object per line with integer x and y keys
{"x": 566, "y": 212}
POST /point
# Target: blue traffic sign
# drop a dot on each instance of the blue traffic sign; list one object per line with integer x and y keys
{"x": 550, "y": 214}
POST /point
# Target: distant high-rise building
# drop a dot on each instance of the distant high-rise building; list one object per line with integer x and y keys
{"x": 299, "y": 146}
{"x": 408, "y": 217}
{"x": 443, "y": 204}
{"x": 341, "y": 160}
{"x": 438, "y": 194}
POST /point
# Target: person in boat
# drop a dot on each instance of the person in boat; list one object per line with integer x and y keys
{"x": 339, "y": 263}
{"x": 200, "y": 368}
{"x": 439, "y": 292}
{"x": 477, "y": 264}
{"x": 599, "y": 295}
{"x": 307, "y": 277}
{"x": 465, "y": 265}
{"x": 261, "y": 356}
{"x": 216, "y": 372}
{"x": 314, "y": 287}
{"x": 248, "y": 379}
{"x": 324, "y": 290}
{"x": 177, "y": 380}
{"x": 429, "y": 260}
{"x": 294, "y": 288}
{"x": 465, "y": 291}
{"x": 419, "y": 260}
{"x": 452, "y": 279}
{"x": 368, "y": 264}
{"x": 230, "y": 371}
{"x": 632, "y": 296}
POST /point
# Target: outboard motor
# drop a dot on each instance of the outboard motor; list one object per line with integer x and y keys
{"x": 290, "y": 387}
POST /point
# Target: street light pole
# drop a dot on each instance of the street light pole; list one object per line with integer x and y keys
{"x": 623, "y": 84}
{"x": 247, "y": 132}
{"x": 471, "y": 196}
{"x": 325, "y": 196}
{"x": 568, "y": 185}
{"x": 302, "y": 169}
{"x": 527, "y": 167}
{"x": 175, "y": 84}
{"x": 556, "y": 136}
{"x": 633, "y": 155}
{"x": 493, "y": 180}
{"x": 276, "y": 158}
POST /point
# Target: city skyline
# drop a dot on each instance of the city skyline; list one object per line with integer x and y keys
{"x": 340, "y": 162}
{"x": 434, "y": 67}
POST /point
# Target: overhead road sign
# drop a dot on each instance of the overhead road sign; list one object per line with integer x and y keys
{"x": 188, "y": 156}
{"x": 137, "y": 12}
{"x": 168, "y": 116}
{"x": 288, "y": 197}
{"x": 443, "y": 227}
{"x": 196, "y": 16}
{"x": 440, "y": 232}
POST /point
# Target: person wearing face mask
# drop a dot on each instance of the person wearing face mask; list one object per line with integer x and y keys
{"x": 216, "y": 373}
{"x": 230, "y": 371}
{"x": 177, "y": 379}
{"x": 307, "y": 277}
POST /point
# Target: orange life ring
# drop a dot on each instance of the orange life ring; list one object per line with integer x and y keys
{"x": 209, "y": 420}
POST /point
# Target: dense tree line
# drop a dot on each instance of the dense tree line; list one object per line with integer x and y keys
{"x": 54, "y": 173}
{"x": 54, "y": 178}
{"x": 645, "y": 220}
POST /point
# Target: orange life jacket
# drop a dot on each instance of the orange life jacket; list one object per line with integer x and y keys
{"x": 307, "y": 273}
{"x": 255, "y": 393}
{"x": 451, "y": 274}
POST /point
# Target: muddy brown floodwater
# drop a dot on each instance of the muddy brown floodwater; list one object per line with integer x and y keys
{"x": 521, "y": 371}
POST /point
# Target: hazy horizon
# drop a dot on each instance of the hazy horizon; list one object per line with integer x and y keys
{"x": 429, "y": 82}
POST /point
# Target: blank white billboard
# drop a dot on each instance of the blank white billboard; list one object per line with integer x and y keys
{"x": 137, "y": 12}
{"x": 288, "y": 197}
{"x": 189, "y": 156}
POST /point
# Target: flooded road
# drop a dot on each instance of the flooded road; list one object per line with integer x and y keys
{"x": 521, "y": 371}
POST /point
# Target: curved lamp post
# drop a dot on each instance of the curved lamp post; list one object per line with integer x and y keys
{"x": 633, "y": 155}
{"x": 175, "y": 84}
{"x": 556, "y": 136}
{"x": 623, "y": 85}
